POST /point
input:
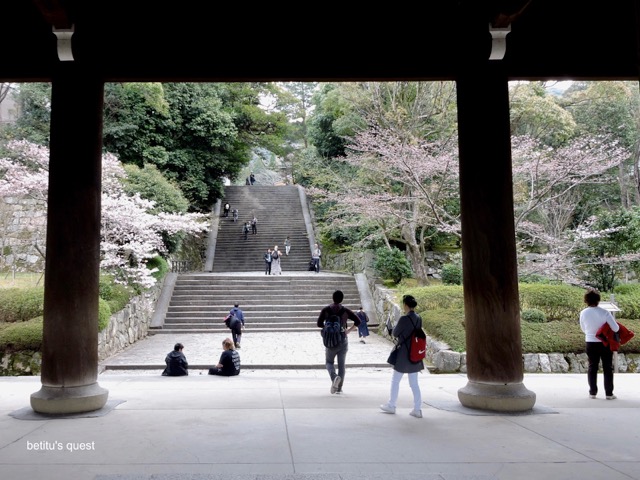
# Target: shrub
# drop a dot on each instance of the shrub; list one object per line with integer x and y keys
{"x": 552, "y": 337}
{"x": 104, "y": 314}
{"x": 392, "y": 263}
{"x": 25, "y": 335}
{"x": 438, "y": 297}
{"x": 557, "y": 302}
{"x": 451, "y": 274}
{"x": 627, "y": 289}
{"x": 21, "y": 304}
{"x": 629, "y": 305}
{"x": 533, "y": 315}
{"x": 161, "y": 265}
{"x": 115, "y": 294}
{"x": 446, "y": 325}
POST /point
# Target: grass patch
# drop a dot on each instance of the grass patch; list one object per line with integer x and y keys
{"x": 21, "y": 280}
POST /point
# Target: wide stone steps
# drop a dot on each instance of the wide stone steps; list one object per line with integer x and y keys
{"x": 284, "y": 303}
{"x": 278, "y": 210}
{"x": 281, "y": 303}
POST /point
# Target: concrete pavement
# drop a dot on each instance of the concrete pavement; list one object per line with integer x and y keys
{"x": 283, "y": 423}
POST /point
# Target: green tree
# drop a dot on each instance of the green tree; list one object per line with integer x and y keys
{"x": 34, "y": 105}
{"x": 332, "y": 121}
{"x": 608, "y": 246}
{"x": 295, "y": 100}
{"x": 399, "y": 171}
{"x": 196, "y": 134}
{"x": 611, "y": 108}
{"x": 391, "y": 263}
{"x": 537, "y": 115}
{"x": 150, "y": 184}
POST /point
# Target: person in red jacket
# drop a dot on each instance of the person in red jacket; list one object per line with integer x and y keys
{"x": 591, "y": 319}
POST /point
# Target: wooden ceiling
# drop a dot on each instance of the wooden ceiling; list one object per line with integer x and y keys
{"x": 199, "y": 40}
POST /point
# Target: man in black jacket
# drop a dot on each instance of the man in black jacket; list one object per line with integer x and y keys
{"x": 267, "y": 262}
{"x": 340, "y": 351}
{"x": 176, "y": 362}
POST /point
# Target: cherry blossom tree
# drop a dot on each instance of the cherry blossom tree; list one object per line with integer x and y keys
{"x": 547, "y": 191}
{"x": 406, "y": 186}
{"x": 130, "y": 233}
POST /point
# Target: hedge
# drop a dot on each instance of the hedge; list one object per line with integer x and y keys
{"x": 557, "y": 302}
{"x": 21, "y": 304}
{"x": 27, "y": 335}
{"x": 442, "y": 311}
{"x": 438, "y": 297}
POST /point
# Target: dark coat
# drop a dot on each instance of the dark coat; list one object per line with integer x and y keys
{"x": 176, "y": 364}
{"x": 334, "y": 308}
{"x": 402, "y": 332}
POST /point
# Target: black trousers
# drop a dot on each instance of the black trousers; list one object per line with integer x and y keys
{"x": 267, "y": 268}
{"x": 596, "y": 353}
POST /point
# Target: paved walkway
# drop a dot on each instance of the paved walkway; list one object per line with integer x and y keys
{"x": 259, "y": 350}
{"x": 284, "y": 424}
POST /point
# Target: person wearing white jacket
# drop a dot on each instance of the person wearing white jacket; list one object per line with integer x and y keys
{"x": 591, "y": 319}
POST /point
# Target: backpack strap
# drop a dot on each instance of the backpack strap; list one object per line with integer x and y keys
{"x": 407, "y": 339}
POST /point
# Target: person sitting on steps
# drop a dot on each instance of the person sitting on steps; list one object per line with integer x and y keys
{"x": 229, "y": 363}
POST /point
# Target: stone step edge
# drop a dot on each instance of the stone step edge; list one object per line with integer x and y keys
{"x": 270, "y": 366}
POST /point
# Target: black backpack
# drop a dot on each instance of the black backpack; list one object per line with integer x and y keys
{"x": 275, "y": 255}
{"x": 332, "y": 333}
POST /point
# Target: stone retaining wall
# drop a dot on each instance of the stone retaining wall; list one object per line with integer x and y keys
{"x": 445, "y": 360}
{"x": 23, "y": 225}
{"x": 125, "y": 328}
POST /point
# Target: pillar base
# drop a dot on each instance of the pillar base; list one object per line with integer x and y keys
{"x": 513, "y": 397}
{"x": 66, "y": 400}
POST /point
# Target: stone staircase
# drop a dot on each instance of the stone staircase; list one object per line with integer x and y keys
{"x": 279, "y": 213}
{"x": 287, "y": 303}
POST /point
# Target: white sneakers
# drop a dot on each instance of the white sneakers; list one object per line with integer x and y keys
{"x": 386, "y": 408}
{"x": 611, "y": 397}
{"x": 335, "y": 385}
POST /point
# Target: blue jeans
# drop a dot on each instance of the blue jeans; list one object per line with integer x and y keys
{"x": 330, "y": 356}
{"x": 413, "y": 383}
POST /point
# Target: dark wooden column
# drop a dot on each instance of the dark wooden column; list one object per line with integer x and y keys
{"x": 70, "y": 337}
{"x": 492, "y": 318}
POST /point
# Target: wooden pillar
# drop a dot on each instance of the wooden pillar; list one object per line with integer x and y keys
{"x": 492, "y": 318}
{"x": 72, "y": 266}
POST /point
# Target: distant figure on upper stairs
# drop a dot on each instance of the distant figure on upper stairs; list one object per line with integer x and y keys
{"x": 227, "y": 207}
{"x": 287, "y": 246}
{"x": 235, "y": 214}
{"x": 252, "y": 178}
{"x": 276, "y": 269}
{"x": 254, "y": 225}
{"x": 315, "y": 256}
{"x": 267, "y": 262}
